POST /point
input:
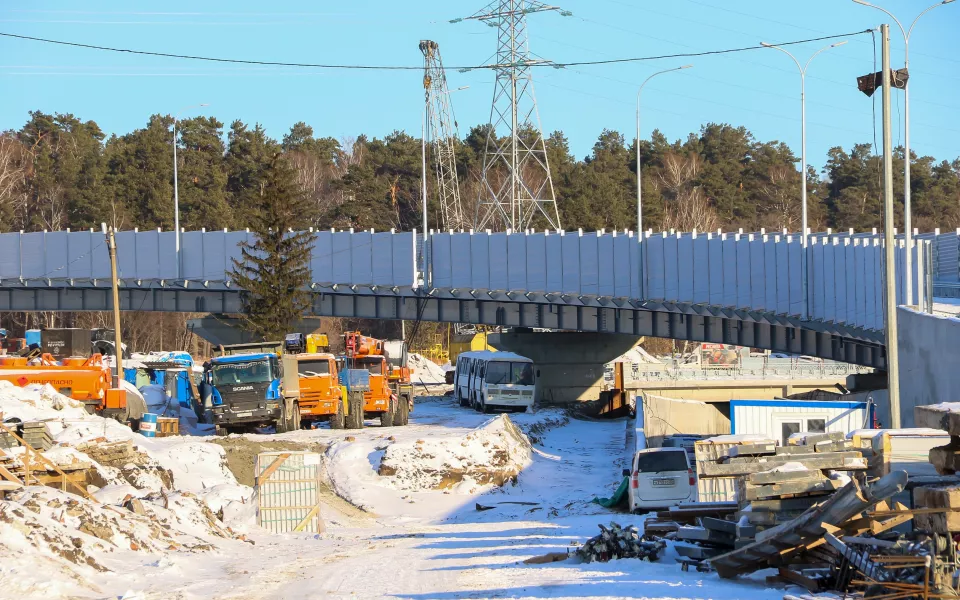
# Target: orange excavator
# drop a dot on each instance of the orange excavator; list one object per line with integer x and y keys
{"x": 87, "y": 380}
{"x": 391, "y": 394}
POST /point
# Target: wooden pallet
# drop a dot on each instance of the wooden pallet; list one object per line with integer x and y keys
{"x": 167, "y": 426}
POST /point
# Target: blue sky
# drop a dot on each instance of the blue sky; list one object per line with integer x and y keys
{"x": 757, "y": 89}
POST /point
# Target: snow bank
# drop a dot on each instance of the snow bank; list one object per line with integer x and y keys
{"x": 492, "y": 454}
{"x": 156, "y": 495}
{"x": 424, "y": 369}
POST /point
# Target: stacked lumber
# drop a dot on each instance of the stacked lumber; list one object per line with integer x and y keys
{"x": 713, "y": 487}
{"x": 37, "y": 435}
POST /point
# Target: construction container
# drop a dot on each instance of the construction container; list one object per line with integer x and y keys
{"x": 63, "y": 343}
{"x": 288, "y": 491}
{"x": 779, "y": 419}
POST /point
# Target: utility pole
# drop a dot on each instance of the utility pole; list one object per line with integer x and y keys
{"x": 118, "y": 345}
{"x": 890, "y": 281}
{"x": 516, "y": 186}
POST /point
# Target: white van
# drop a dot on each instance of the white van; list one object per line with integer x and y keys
{"x": 660, "y": 477}
{"x": 488, "y": 380}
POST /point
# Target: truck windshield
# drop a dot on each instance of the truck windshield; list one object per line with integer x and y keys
{"x": 375, "y": 366}
{"x": 254, "y": 371}
{"x": 312, "y": 368}
{"x": 515, "y": 373}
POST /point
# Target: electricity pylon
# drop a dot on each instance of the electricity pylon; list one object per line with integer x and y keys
{"x": 441, "y": 132}
{"x": 516, "y": 187}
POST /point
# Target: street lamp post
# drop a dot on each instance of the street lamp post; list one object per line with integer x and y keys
{"x": 639, "y": 187}
{"x": 803, "y": 162}
{"x": 176, "y": 191}
{"x": 907, "y": 206}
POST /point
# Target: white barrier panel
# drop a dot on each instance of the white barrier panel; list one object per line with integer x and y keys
{"x": 757, "y": 272}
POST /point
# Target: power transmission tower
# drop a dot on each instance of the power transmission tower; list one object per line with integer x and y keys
{"x": 441, "y": 132}
{"x": 525, "y": 193}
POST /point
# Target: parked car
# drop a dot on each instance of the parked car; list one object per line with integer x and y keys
{"x": 659, "y": 478}
{"x": 687, "y": 441}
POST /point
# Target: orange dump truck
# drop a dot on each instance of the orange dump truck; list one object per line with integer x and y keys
{"x": 390, "y": 396}
{"x": 87, "y": 380}
{"x": 311, "y": 379}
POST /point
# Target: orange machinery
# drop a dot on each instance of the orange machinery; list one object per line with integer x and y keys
{"x": 87, "y": 380}
{"x": 312, "y": 379}
{"x": 389, "y": 397}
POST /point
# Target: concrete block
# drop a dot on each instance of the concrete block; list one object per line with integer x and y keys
{"x": 937, "y": 497}
{"x": 939, "y": 416}
{"x": 752, "y": 450}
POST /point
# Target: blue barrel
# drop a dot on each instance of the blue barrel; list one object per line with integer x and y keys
{"x": 148, "y": 425}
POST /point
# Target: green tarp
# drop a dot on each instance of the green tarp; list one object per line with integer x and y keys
{"x": 619, "y": 496}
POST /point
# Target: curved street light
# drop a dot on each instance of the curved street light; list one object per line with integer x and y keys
{"x": 639, "y": 190}
{"x": 803, "y": 159}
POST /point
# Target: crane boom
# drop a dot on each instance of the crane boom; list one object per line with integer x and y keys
{"x": 441, "y": 135}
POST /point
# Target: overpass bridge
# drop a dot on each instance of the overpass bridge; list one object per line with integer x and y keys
{"x": 734, "y": 288}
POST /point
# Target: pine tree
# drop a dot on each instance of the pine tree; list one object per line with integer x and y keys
{"x": 275, "y": 269}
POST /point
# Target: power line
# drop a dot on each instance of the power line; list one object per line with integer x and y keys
{"x": 414, "y": 68}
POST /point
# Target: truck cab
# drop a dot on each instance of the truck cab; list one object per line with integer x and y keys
{"x": 311, "y": 379}
{"x": 243, "y": 391}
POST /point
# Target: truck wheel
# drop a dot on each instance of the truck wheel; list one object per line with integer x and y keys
{"x": 282, "y": 424}
{"x": 295, "y": 418}
{"x": 222, "y": 430}
{"x": 463, "y": 401}
{"x": 476, "y": 404}
{"x": 387, "y": 417}
{"x": 402, "y": 415}
{"x": 337, "y": 420}
{"x": 354, "y": 419}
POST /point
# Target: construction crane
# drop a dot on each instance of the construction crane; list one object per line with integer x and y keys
{"x": 441, "y": 133}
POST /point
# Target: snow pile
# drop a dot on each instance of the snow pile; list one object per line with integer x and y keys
{"x": 492, "y": 454}
{"x": 153, "y": 495}
{"x": 52, "y": 523}
{"x": 424, "y": 369}
{"x": 637, "y": 356}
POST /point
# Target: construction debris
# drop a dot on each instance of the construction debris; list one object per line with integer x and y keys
{"x": 620, "y": 542}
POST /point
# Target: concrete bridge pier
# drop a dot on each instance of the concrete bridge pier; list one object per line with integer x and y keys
{"x": 570, "y": 363}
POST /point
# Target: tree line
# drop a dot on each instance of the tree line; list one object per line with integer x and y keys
{"x": 58, "y": 171}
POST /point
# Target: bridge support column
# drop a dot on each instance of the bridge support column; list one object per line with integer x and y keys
{"x": 570, "y": 363}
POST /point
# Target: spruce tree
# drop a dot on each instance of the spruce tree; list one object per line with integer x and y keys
{"x": 275, "y": 267}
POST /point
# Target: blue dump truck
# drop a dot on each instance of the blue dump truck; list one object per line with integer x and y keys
{"x": 240, "y": 389}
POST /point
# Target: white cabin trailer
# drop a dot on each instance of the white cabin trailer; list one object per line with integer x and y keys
{"x": 779, "y": 419}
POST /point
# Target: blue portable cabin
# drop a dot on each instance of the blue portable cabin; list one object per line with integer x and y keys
{"x": 778, "y": 419}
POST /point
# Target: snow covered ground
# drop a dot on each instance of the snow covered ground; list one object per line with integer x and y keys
{"x": 413, "y": 535}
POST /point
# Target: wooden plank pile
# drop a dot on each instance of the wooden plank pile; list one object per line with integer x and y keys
{"x": 770, "y": 484}
{"x": 946, "y": 460}
{"x": 34, "y": 433}
{"x": 37, "y": 435}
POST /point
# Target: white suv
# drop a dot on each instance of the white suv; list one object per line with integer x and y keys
{"x": 660, "y": 477}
